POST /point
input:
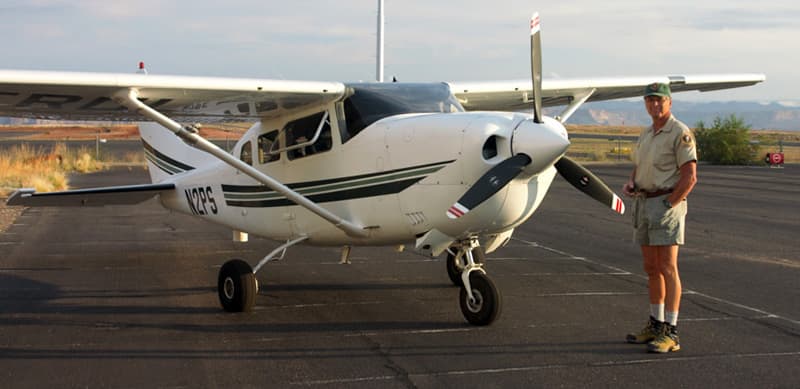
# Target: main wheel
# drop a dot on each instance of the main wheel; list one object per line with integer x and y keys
{"x": 237, "y": 286}
{"x": 487, "y": 304}
{"x": 455, "y": 268}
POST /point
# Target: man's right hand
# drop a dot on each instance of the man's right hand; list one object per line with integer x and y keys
{"x": 629, "y": 188}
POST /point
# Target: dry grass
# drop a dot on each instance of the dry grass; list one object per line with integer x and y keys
{"x": 128, "y": 158}
{"x": 600, "y": 150}
{"x": 605, "y": 130}
{"x": 603, "y": 150}
{"x": 24, "y": 167}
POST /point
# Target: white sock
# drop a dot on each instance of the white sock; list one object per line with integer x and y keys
{"x": 672, "y": 318}
{"x": 657, "y": 311}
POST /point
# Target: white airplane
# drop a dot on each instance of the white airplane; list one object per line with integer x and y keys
{"x": 442, "y": 167}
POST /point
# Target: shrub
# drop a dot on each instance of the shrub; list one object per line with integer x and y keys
{"x": 726, "y": 142}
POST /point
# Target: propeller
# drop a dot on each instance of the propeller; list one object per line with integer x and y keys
{"x": 581, "y": 178}
{"x": 544, "y": 142}
{"x": 577, "y": 175}
{"x": 490, "y": 183}
{"x": 536, "y": 67}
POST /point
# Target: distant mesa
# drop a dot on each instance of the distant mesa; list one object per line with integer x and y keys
{"x": 774, "y": 116}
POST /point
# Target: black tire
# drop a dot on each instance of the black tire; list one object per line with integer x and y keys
{"x": 237, "y": 286}
{"x": 488, "y": 302}
{"x": 454, "y": 269}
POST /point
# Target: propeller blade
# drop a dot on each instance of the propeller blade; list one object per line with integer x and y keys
{"x": 489, "y": 184}
{"x": 588, "y": 183}
{"x": 536, "y": 67}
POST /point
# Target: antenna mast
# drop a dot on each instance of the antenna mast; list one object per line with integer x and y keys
{"x": 379, "y": 68}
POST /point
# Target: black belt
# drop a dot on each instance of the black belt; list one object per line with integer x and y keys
{"x": 655, "y": 193}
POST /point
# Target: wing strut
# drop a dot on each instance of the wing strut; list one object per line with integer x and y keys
{"x": 129, "y": 99}
{"x": 577, "y": 101}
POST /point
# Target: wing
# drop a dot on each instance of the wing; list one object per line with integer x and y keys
{"x": 88, "y": 96}
{"x": 516, "y": 95}
{"x": 164, "y": 99}
{"x": 113, "y": 195}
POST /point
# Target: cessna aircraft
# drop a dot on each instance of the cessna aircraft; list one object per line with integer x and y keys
{"x": 443, "y": 167}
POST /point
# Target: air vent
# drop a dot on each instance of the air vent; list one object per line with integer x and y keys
{"x": 490, "y": 148}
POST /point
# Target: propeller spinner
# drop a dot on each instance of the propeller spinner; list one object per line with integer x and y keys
{"x": 538, "y": 143}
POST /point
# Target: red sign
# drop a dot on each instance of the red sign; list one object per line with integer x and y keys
{"x": 775, "y": 158}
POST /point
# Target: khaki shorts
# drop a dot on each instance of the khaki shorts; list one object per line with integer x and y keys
{"x": 656, "y": 225}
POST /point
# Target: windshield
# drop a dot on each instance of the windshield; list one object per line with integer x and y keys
{"x": 369, "y": 103}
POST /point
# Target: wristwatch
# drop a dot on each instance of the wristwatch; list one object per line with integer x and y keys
{"x": 667, "y": 203}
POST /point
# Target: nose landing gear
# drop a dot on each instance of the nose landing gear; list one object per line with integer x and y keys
{"x": 479, "y": 298}
{"x": 457, "y": 262}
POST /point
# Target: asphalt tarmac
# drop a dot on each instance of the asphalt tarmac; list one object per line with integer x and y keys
{"x": 126, "y": 297}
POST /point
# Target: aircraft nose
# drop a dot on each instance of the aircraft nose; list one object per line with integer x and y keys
{"x": 544, "y": 143}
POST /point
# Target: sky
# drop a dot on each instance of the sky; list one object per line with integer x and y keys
{"x": 465, "y": 40}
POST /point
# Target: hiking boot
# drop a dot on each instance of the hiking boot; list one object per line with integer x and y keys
{"x": 666, "y": 342}
{"x": 650, "y": 332}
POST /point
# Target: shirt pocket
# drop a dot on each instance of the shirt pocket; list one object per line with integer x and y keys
{"x": 665, "y": 162}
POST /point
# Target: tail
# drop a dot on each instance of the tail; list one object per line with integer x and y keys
{"x": 168, "y": 155}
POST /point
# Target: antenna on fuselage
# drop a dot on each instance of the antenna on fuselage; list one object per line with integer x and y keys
{"x": 379, "y": 54}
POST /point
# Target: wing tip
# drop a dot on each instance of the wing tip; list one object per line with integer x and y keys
{"x": 19, "y": 196}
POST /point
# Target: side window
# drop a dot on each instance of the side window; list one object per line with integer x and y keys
{"x": 266, "y": 143}
{"x": 303, "y": 130}
{"x": 247, "y": 153}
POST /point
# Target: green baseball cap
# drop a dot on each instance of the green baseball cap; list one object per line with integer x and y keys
{"x": 657, "y": 89}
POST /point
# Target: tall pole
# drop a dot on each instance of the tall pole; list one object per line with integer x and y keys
{"x": 379, "y": 70}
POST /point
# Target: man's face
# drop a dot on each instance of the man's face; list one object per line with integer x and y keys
{"x": 658, "y": 107}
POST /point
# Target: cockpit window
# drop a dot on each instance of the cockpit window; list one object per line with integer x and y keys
{"x": 266, "y": 143}
{"x": 369, "y": 103}
{"x": 303, "y": 130}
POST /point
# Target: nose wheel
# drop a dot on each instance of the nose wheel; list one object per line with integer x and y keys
{"x": 485, "y": 304}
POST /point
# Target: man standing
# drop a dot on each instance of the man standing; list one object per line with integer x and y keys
{"x": 665, "y": 171}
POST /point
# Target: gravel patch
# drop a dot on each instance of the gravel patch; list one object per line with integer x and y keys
{"x": 8, "y": 214}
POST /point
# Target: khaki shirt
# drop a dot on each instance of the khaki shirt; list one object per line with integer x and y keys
{"x": 659, "y": 155}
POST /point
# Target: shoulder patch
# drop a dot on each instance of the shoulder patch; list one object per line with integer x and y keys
{"x": 687, "y": 138}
